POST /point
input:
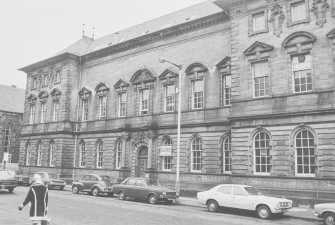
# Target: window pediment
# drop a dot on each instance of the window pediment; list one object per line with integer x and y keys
{"x": 84, "y": 91}
{"x": 101, "y": 89}
{"x": 32, "y": 99}
{"x": 298, "y": 38}
{"x": 55, "y": 94}
{"x": 43, "y": 96}
{"x": 167, "y": 74}
{"x": 142, "y": 76}
{"x": 195, "y": 68}
{"x": 121, "y": 85}
{"x": 224, "y": 65}
{"x": 331, "y": 34}
{"x": 257, "y": 48}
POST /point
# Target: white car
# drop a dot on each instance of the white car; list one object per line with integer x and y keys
{"x": 243, "y": 197}
{"x": 326, "y": 211}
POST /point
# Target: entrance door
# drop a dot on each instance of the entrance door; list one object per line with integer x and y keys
{"x": 142, "y": 160}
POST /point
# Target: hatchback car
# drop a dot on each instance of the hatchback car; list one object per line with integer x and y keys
{"x": 243, "y": 197}
{"x": 145, "y": 189}
{"x": 94, "y": 184}
{"x": 7, "y": 181}
{"x": 326, "y": 211}
{"x": 52, "y": 180}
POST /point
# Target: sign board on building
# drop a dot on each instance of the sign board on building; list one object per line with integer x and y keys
{"x": 166, "y": 151}
{"x": 5, "y": 156}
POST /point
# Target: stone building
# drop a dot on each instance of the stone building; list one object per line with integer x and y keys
{"x": 11, "y": 112}
{"x": 257, "y": 99}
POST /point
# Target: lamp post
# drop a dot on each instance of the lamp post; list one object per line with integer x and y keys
{"x": 161, "y": 60}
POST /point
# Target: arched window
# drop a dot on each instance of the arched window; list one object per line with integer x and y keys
{"x": 226, "y": 155}
{"x": 82, "y": 154}
{"x": 167, "y": 158}
{"x": 118, "y": 154}
{"x": 39, "y": 154}
{"x": 100, "y": 154}
{"x": 262, "y": 156}
{"x": 305, "y": 153}
{"x": 7, "y": 138}
{"x": 28, "y": 154}
{"x": 52, "y": 154}
{"x": 196, "y": 155}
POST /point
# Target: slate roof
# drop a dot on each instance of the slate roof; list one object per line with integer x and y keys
{"x": 11, "y": 99}
{"x": 87, "y": 45}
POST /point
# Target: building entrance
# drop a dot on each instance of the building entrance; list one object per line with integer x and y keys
{"x": 142, "y": 160}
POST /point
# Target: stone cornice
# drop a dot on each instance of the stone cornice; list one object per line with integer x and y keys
{"x": 48, "y": 61}
{"x": 158, "y": 35}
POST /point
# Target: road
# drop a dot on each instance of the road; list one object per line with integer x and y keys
{"x": 66, "y": 208}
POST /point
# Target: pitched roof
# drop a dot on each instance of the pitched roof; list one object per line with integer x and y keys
{"x": 79, "y": 47}
{"x": 11, "y": 99}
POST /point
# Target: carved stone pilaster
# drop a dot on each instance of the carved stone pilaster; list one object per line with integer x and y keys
{"x": 277, "y": 17}
{"x": 320, "y": 8}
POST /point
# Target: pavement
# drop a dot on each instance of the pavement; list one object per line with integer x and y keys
{"x": 302, "y": 212}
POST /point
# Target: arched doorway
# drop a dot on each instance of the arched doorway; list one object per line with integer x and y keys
{"x": 142, "y": 160}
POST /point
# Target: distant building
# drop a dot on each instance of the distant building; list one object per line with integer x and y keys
{"x": 11, "y": 112}
{"x": 258, "y": 103}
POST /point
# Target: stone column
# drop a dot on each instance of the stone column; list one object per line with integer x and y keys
{"x": 123, "y": 157}
{"x": 149, "y": 153}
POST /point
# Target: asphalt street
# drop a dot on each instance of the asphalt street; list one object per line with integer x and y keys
{"x": 66, "y": 208}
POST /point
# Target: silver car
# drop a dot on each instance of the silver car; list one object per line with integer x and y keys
{"x": 326, "y": 211}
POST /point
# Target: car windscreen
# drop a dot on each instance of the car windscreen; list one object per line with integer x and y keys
{"x": 152, "y": 182}
{"x": 5, "y": 175}
{"x": 105, "y": 178}
{"x": 252, "y": 191}
{"x": 53, "y": 176}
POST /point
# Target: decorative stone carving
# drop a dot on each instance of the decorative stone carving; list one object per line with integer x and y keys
{"x": 277, "y": 18}
{"x": 319, "y": 9}
{"x": 142, "y": 76}
{"x": 84, "y": 93}
{"x": 55, "y": 94}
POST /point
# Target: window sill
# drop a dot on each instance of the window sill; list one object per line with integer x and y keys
{"x": 260, "y": 97}
{"x": 290, "y": 24}
{"x": 253, "y": 33}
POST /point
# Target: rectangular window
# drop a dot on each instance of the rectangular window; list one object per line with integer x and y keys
{"x": 226, "y": 84}
{"x": 31, "y": 114}
{"x": 122, "y": 104}
{"x": 45, "y": 79}
{"x": 198, "y": 94}
{"x": 34, "y": 83}
{"x": 102, "y": 106}
{"x": 302, "y": 74}
{"x": 298, "y": 11}
{"x": 82, "y": 157}
{"x": 258, "y": 22}
{"x": 39, "y": 155}
{"x": 55, "y": 111}
{"x": 144, "y": 101}
{"x": 169, "y": 93}
{"x": 57, "y": 78}
{"x": 167, "y": 163}
{"x": 260, "y": 73}
{"x": 84, "y": 113}
{"x": 43, "y": 112}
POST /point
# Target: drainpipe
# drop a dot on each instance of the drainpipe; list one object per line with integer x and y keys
{"x": 77, "y": 120}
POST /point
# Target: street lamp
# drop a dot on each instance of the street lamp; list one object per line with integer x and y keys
{"x": 161, "y": 60}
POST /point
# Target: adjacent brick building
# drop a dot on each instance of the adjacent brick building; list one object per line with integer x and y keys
{"x": 11, "y": 112}
{"x": 257, "y": 99}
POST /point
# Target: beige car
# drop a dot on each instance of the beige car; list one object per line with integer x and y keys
{"x": 326, "y": 211}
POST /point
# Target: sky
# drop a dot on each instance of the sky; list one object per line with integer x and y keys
{"x": 33, "y": 30}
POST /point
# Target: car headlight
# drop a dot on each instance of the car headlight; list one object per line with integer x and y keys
{"x": 277, "y": 205}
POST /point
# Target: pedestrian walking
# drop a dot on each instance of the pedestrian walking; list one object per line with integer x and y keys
{"x": 38, "y": 199}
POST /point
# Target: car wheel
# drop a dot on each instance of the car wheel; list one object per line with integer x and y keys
{"x": 75, "y": 190}
{"x": 95, "y": 191}
{"x": 263, "y": 212}
{"x": 212, "y": 205}
{"x": 10, "y": 190}
{"x": 329, "y": 218}
{"x": 152, "y": 199}
{"x": 122, "y": 196}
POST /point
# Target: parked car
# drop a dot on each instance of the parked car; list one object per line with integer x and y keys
{"x": 326, "y": 211}
{"x": 22, "y": 179}
{"x": 52, "y": 180}
{"x": 94, "y": 184}
{"x": 7, "y": 181}
{"x": 243, "y": 197}
{"x": 144, "y": 188}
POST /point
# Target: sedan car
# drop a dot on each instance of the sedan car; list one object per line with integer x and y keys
{"x": 326, "y": 211}
{"x": 243, "y": 197}
{"x": 52, "y": 180}
{"x": 144, "y": 188}
{"x": 94, "y": 184}
{"x": 7, "y": 181}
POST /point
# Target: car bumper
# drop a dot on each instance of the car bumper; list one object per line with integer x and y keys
{"x": 8, "y": 186}
{"x": 167, "y": 197}
{"x": 281, "y": 210}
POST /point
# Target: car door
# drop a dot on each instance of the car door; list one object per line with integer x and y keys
{"x": 240, "y": 198}
{"x": 129, "y": 187}
{"x": 86, "y": 182}
{"x": 223, "y": 196}
{"x": 140, "y": 189}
